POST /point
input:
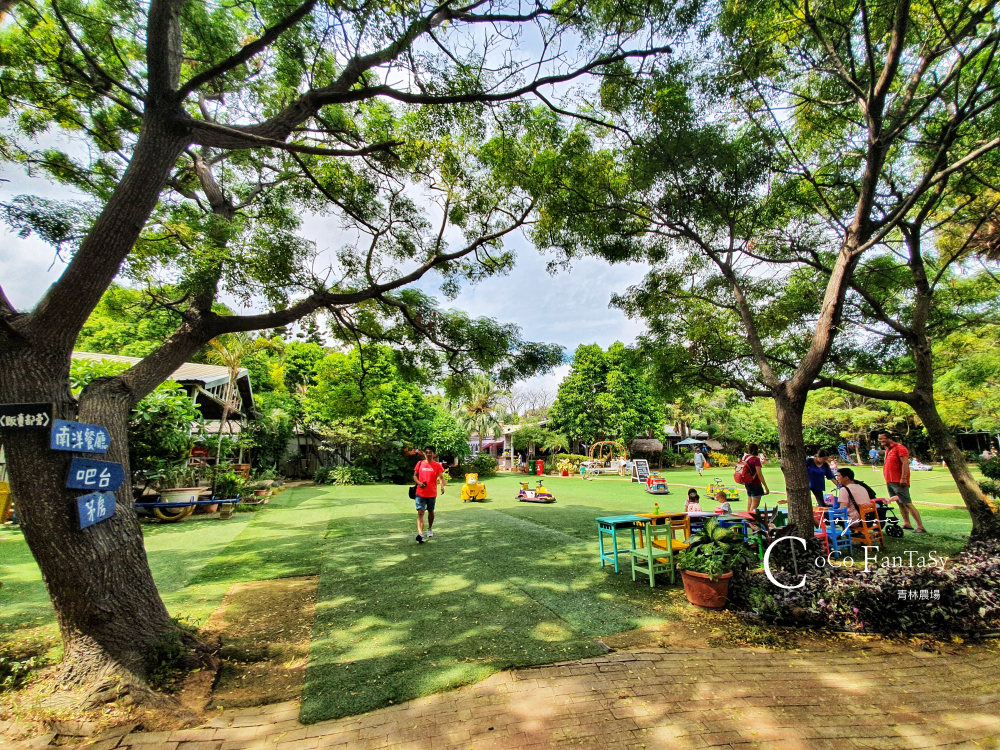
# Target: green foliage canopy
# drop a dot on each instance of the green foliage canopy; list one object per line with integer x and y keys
{"x": 606, "y": 395}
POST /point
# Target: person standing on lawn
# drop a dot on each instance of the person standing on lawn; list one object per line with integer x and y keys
{"x": 819, "y": 471}
{"x": 756, "y": 487}
{"x": 896, "y": 471}
{"x": 873, "y": 457}
{"x": 427, "y": 474}
{"x": 699, "y": 462}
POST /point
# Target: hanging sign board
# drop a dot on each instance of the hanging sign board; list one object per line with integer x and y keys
{"x": 87, "y": 474}
{"x": 95, "y": 507}
{"x": 79, "y": 437}
{"x": 26, "y": 416}
{"x": 640, "y": 470}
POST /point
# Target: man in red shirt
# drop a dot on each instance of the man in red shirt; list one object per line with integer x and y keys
{"x": 427, "y": 474}
{"x": 896, "y": 471}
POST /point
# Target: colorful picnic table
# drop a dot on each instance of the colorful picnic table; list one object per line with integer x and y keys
{"x": 660, "y": 519}
{"x": 611, "y": 525}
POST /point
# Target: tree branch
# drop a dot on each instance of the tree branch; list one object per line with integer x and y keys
{"x": 233, "y": 138}
{"x": 92, "y": 61}
{"x": 248, "y": 51}
{"x": 279, "y": 126}
{"x": 7, "y": 310}
{"x": 326, "y": 298}
{"x": 164, "y": 50}
{"x": 860, "y": 390}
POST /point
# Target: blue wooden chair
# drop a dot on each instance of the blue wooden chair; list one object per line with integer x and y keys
{"x": 838, "y": 530}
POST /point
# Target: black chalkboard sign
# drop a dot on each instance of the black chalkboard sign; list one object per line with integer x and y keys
{"x": 640, "y": 470}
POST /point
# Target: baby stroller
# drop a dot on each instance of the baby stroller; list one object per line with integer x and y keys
{"x": 887, "y": 518}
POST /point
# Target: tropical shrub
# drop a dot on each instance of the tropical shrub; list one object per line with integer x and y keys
{"x": 484, "y": 465}
{"x": 162, "y": 427}
{"x": 715, "y": 551}
{"x": 342, "y": 475}
{"x": 669, "y": 458}
{"x": 719, "y": 459}
{"x": 228, "y": 484}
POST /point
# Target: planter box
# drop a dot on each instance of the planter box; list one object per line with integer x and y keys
{"x": 703, "y": 592}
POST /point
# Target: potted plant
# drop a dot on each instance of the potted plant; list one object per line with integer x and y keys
{"x": 565, "y": 466}
{"x": 708, "y": 563}
{"x": 178, "y": 484}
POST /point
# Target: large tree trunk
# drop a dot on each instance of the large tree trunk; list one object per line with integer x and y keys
{"x": 985, "y": 523}
{"x": 793, "y": 463}
{"x": 109, "y": 611}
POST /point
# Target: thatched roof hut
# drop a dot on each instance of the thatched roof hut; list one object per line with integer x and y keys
{"x": 645, "y": 445}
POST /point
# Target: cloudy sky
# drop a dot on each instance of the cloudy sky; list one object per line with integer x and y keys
{"x": 569, "y": 309}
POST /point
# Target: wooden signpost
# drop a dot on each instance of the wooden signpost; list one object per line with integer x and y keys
{"x": 79, "y": 437}
{"x": 26, "y": 416}
{"x": 640, "y": 470}
{"x": 102, "y": 478}
{"x": 88, "y": 474}
{"x": 95, "y": 507}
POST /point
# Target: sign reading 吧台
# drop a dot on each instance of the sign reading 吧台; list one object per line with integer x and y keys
{"x": 88, "y": 474}
{"x": 75, "y": 436}
{"x": 95, "y": 507}
{"x": 26, "y": 416}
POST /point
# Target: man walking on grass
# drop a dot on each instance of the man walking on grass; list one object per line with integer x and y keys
{"x": 427, "y": 474}
{"x": 896, "y": 471}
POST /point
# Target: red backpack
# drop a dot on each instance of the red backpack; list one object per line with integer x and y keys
{"x": 742, "y": 474}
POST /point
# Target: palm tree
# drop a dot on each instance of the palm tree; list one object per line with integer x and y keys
{"x": 478, "y": 410}
{"x": 229, "y": 351}
{"x": 554, "y": 442}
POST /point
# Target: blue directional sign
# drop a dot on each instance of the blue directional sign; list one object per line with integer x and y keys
{"x": 79, "y": 437}
{"x": 95, "y": 507}
{"x": 87, "y": 474}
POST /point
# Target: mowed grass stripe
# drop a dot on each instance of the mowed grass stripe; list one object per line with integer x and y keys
{"x": 397, "y": 620}
{"x": 283, "y": 540}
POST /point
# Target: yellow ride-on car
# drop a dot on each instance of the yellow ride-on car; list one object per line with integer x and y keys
{"x": 473, "y": 489}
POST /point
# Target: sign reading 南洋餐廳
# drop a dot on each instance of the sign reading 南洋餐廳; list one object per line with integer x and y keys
{"x": 26, "y": 416}
{"x": 95, "y": 507}
{"x": 82, "y": 438}
{"x": 88, "y": 474}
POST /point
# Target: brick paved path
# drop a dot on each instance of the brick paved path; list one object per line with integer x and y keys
{"x": 866, "y": 697}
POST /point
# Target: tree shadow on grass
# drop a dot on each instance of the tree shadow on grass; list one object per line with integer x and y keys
{"x": 280, "y": 542}
{"x": 397, "y": 620}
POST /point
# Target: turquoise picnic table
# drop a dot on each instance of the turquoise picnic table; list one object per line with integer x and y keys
{"x": 611, "y": 525}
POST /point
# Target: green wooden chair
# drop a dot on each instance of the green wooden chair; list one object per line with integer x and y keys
{"x": 656, "y": 556}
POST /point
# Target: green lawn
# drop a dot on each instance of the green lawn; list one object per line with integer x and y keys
{"x": 501, "y": 584}
{"x": 935, "y": 486}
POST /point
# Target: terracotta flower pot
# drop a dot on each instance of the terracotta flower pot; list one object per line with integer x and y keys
{"x": 565, "y": 472}
{"x": 703, "y": 592}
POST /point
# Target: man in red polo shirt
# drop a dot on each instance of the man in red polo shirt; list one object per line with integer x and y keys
{"x": 427, "y": 474}
{"x": 896, "y": 471}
